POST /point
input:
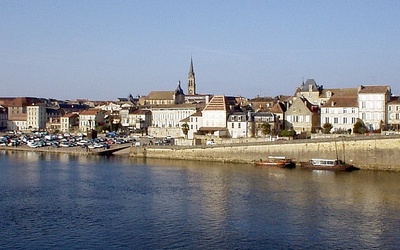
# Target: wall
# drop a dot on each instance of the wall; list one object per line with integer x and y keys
{"x": 380, "y": 153}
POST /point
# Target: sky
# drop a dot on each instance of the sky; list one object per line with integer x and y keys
{"x": 103, "y": 50}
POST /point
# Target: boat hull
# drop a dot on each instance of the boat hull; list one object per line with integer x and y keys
{"x": 275, "y": 164}
{"x": 337, "y": 167}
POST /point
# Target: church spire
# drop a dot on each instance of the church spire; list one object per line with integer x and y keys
{"x": 191, "y": 79}
{"x": 191, "y": 71}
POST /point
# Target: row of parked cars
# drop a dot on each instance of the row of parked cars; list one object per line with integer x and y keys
{"x": 44, "y": 139}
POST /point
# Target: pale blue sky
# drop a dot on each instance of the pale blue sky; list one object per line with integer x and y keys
{"x": 102, "y": 50}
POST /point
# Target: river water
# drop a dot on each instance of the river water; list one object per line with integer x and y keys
{"x": 50, "y": 201}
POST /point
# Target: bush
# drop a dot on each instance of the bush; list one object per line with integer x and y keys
{"x": 287, "y": 133}
{"x": 359, "y": 127}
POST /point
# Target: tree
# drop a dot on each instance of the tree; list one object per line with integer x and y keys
{"x": 265, "y": 128}
{"x": 359, "y": 127}
{"x": 185, "y": 129}
{"x": 326, "y": 128}
{"x": 288, "y": 133}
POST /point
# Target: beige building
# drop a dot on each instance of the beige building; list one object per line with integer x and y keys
{"x": 163, "y": 97}
{"x": 36, "y": 116}
{"x": 17, "y": 112}
{"x": 303, "y": 117}
{"x": 137, "y": 120}
{"x": 69, "y": 122}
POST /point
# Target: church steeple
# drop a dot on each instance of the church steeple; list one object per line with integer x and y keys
{"x": 191, "y": 79}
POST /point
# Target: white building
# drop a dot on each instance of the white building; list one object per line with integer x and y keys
{"x": 341, "y": 110}
{"x": 238, "y": 125}
{"x": 36, "y": 116}
{"x": 89, "y": 119}
{"x": 215, "y": 115}
{"x": 194, "y": 121}
{"x": 166, "y": 118}
{"x": 393, "y": 111}
{"x": 372, "y": 102}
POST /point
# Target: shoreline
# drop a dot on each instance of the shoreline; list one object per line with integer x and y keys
{"x": 377, "y": 154}
{"x": 71, "y": 150}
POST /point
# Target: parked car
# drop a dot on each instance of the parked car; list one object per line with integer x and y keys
{"x": 210, "y": 142}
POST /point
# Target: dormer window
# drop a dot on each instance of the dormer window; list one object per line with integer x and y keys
{"x": 328, "y": 94}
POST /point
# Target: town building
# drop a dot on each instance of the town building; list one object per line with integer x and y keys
{"x": 260, "y": 119}
{"x": 372, "y": 102}
{"x": 194, "y": 122}
{"x": 69, "y": 123}
{"x": 3, "y": 117}
{"x": 215, "y": 115}
{"x": 163, "y": 97}
{"x": 238, "y": 124}
{"x": 341, "y": 110}
{"x": 166, "y": 118}
{"x": 90, "y": 119}
{"x": 393, "y": 113}
{"x": 303, "y": 117}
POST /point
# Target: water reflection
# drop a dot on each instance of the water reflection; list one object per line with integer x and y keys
{"x": 131, "y": 203}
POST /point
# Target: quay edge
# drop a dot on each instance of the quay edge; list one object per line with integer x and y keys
{"x": 367, "y": 153}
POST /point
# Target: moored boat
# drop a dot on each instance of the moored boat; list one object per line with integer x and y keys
{"x": 328, "y": 164}
{"x": 276, "y": 161}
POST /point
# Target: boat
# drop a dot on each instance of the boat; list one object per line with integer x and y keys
{"x": 276, "y": 161}
{"x": 328, "y": 164}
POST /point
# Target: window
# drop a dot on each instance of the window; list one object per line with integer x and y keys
{"x": 326, "y": 119}
{"x": 239, "y": 125}
{"x": 353, "y": 120}
{"x": 335, "y": 120}
{"x": 233, "y": 125}
{"x": 344, "y": 120}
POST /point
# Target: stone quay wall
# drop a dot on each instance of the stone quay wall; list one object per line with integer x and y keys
{"x": 368, "y": 153}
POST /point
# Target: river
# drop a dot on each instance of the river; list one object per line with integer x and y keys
{"x": 57, "y": 201}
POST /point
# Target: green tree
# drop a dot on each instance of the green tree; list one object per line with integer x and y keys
{"x": 287, "y": 133}
{"x": 359, "y": 127}
{"x": 185, "y": 129}
{"x": 326, "y": 128}
{"x": 265, "y": 128}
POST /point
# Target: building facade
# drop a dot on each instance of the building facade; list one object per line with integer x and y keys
{"x": 341, "y": 110}
{"x": 372, "y": 102}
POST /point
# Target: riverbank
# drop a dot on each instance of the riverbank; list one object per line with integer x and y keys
{"x": 367, "y": 153}
{"x": 66, "y": 150}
